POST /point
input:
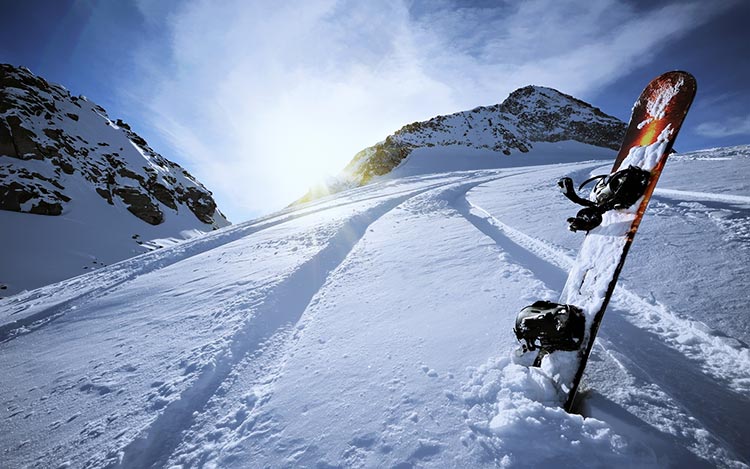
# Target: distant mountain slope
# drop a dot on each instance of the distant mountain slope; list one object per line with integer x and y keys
{"x": 82, "y": 185}
{"x": 529, "y": 116}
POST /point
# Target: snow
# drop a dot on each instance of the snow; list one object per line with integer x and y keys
{"x": 657, "y": 106}
{"x": 372, "y": 328}
{"x": 647, "y": 156}
{"x": 448, "y": 158}
{"x": 89, "y": 233}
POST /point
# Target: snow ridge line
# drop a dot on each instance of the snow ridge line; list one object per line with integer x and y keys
{"x": 720, "y": 357}
{"x": 80, "y": 290}
{"x": 693, "y": 195}
{"x": 289, "y": 299}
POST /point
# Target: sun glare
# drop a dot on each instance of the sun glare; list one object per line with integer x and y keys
{"x": 649, "y": 135}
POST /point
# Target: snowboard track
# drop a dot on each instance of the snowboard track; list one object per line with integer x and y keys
{"x": 156, "y": 444}
{"x": 79, "y": 290}
{"x": 629, "y": 311}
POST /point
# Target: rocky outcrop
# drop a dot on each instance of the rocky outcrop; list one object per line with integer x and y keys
{"x": 51, "y": 141}
{"x": 140, "y": 204}
{"x": 548, "y": 115}
{"x": 381, "y": 158}
{"x": 24, "y": 146}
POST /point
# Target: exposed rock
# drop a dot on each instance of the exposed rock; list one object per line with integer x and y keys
{"x": 120, "y": 123}
{"x": 140, "y": 205}
{"x": 45, "y": 208}
{"x": 13, "y": 195}
{"x": 6, "y": 140}
{"x": 548, "y": 116}
{"x": 164, "y": 195}
{"x": 23, "y": 140}
{"x": 34, "y": 190}
{"x": 44, "y": 122}
{"x": 202, "y": 205}
{"x": 105, "y": 194}
{"x": 381, "y": 158}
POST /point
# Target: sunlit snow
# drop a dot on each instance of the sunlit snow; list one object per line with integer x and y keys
{"x": 373, "y": 329}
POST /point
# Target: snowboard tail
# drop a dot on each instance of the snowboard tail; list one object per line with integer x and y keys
{"x": 656, "y": 119}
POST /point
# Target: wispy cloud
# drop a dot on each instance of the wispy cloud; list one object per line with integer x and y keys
{"x": 727, "y": 128}
{"x": 263, "y": 97}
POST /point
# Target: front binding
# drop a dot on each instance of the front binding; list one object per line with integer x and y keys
{"x": 550, "y": 326}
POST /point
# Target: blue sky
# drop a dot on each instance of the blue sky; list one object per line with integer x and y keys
{"x": 259, "y": 99}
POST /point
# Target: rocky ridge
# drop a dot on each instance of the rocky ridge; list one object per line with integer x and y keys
{"x": 529, "y": 115}
{"x": 51, "y": 141}
{"x": 80, "y": 191}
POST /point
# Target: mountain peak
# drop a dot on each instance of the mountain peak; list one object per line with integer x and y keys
{"x": 529, "y": 115}
{"x": 533, "y": 97}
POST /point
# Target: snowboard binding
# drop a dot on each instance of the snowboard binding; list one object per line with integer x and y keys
{"x": 614, "y": 191}
{"x": 550, "y": 326}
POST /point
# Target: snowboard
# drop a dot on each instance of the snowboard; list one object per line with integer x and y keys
{"x": 655, "y": 121}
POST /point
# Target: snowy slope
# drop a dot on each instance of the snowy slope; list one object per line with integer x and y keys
{"x": 79, "y": 191}
{"x": 373, "y": 329}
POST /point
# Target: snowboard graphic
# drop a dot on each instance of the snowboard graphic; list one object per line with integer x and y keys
{"x": 654, "y": 124}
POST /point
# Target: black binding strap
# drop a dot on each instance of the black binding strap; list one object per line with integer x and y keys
{"x": 566, "y": 185}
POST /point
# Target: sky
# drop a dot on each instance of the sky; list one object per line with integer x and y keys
{"x": 262, "y": 99}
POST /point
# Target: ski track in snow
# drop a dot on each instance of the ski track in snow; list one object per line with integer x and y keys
{"x": 158, "y": 441}
{"x": 270, "y": 325}
{"x": 249, "y": 419}
{"x": 79, "y": 290}
{"x": 638, "y": 406}
{"x": 150, "y": 447}
{"x": 675, "y": 340}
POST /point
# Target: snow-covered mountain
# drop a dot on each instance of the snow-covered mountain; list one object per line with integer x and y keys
{"x": 78, "y": 190}
{"x": 484, "y": 137}
{"x": 373, "y": 329}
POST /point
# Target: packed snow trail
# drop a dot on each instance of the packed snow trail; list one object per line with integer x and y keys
{"x": 198, "y": 346}
{"x": 23, "y": 313}
{"x": 99, "y": 309}
{"x": 704, "y": 196}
